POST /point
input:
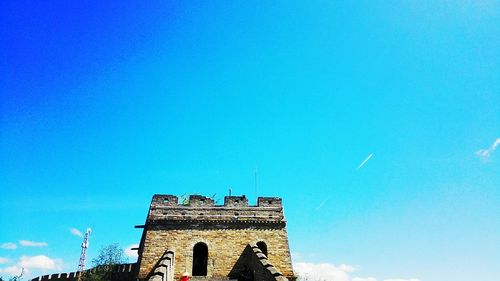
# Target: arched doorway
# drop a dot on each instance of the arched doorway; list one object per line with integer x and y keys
{"x": 263, "y": 247}
{"x": 200, "y": 259}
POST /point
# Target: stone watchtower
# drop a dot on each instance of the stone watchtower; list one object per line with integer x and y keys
{"x": 215, "y": 242}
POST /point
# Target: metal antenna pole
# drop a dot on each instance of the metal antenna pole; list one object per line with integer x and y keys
{"x": 83, "y": 255}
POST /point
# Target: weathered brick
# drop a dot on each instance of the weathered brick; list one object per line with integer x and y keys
{"x": 225, "y": 229}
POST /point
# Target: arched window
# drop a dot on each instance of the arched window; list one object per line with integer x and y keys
{"x": 200, "y": 259}
{"x": 263, "y": 247}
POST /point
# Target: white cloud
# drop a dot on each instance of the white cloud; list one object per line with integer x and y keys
{"x": 76, "y": 232}
{"x": 27, "y": 243}
{"x": 4, "y": 260}
{"x": 40, "y": 262}
{"x": 31, "y": 266}
{"x": 12, "y": 270}
{"x": 364, "y": 279}
{"x": 332, "y": 272}
{"x": 131, "y": 253}
{"x": 8, "y": 246}
{"x": 398, "y": 279}
{"x": 485, "y": 153}
{"x": 323, "y": 271}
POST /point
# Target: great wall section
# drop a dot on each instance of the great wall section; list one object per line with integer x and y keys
{"x": 232, "y": 241}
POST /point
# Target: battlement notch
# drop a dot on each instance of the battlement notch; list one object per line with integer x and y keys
{"x": 235, "y": 201}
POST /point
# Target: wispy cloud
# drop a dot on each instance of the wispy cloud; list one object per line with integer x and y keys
{"x": 76, "y": 232}
{"x": 4, "y": 260}
{"x": 27, "y": 243}
{"x": 8, "y": 246}
{"x": 365, "y": 161}
{"x": 485, "y": 153}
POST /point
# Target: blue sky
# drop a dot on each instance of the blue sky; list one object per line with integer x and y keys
{"x": 104, "y": 104}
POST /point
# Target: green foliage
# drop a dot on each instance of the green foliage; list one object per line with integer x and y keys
{"x": 184, "y": 199}
{"x": 108, "y": 258}
{"x": 110, "y": 255}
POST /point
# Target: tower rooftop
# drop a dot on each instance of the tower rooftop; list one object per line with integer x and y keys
{"x": 166, "y": 209}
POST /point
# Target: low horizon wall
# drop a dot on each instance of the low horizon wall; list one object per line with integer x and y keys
{"x": 127, "y": 271}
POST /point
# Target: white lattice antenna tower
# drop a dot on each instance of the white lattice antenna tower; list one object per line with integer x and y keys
{"x": 83, "y": 255}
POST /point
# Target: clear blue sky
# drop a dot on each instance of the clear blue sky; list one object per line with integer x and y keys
{"x": 104, "y": 103}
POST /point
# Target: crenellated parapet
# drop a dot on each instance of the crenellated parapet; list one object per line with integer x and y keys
{"x": 119, "y": 272}
{"x": 165, "y": 209}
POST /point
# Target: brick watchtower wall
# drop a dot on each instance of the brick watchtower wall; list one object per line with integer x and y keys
{"x": 226, "y": 230}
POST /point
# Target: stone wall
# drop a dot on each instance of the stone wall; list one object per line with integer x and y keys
{"x": 226, "y": 230}
{"x": 119, "y": 272}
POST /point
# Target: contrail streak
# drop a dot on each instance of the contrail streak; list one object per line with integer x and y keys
{"x": 321, "y": 204}
{"x": 366, "y": 160}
